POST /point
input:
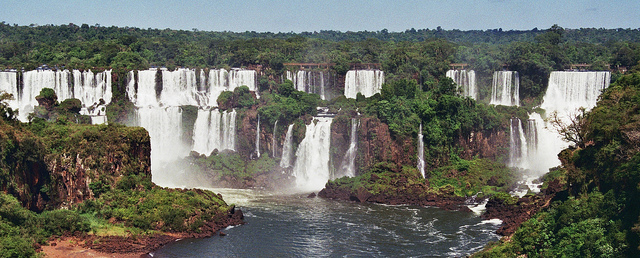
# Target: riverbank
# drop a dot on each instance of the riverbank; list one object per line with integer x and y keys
{"x": 83, "y": 245}
{"x": 449, "y": 188}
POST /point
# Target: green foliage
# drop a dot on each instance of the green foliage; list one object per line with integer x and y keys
{"x": 71, "y": 105}
{"x": 287, "y": 108}
{"x": 464, "y": 178}
{"x": 20, "y": 228}
{"x": 157, "y": 208}
{"x": 400, "y": 88}
{"x": 241, "y": 97}
{"x": 49, "y": 94}
{"x": 601, "y": 217}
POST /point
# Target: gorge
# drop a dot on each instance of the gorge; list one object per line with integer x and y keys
{"x": 427, "y": 142}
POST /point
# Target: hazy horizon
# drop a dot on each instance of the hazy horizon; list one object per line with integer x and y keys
{"x": 307, "y": 16}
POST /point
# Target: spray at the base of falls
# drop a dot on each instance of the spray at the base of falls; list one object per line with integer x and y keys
{"x": 258, "y": 138}
{"x": 86, "y": 86}
{"x": 466, "y": 80}
{"x": 287, "y": 148}
{"x": 366, "y": 82}
{"x": 348, "y": 165}
{"x": 312, "y": 157}
{"x": 566, "y": 93}
{"x": 165, "y": 132}
{"x": 421, "y": 162}
{"x": 273, "y": 142}
{"x": 506, "y": 88}
{"x": 310, "y": 81}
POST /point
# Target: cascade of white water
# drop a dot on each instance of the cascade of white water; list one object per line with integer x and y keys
{"x": 165, "y": 131}
{"x": 312, "y": 157}
{"x": 214, "y": 130}
{"x": 308, "y": 81}
{"x": 9, "y": 84}
{"x": 506, "y": 88}
{"x": 179, "y": 88}
{"x": 366, "y": 82}
{"x": 222, "y": 80}
{"x": 566, "y": 93}
{"x": 85, "y": 86}
{"x": 258, "y": 138}
{"x": 89, "y": 88}
{"x": 517, "y": 144}
{"x": 348, "y": 165}
{"x": 466, "y": 80}
{"x": 421, "y": 162}
{"x": 146, "y": 94}
{"x": 273, "y": 142}
{"x": 35, "y": 81}
{"x": 287, "y": 148}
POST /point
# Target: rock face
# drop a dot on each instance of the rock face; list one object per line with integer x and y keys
{"x": 485, "y": 144}
{"x": 102, "y": 157}
{"x": 375, "y": 144}
{"x": 513, "y": 215}
{"x": 58, "y": 169}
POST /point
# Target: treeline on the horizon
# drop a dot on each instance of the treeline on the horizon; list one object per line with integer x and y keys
{"x": 423, "y": 55}
{"x": 492, "y": 36}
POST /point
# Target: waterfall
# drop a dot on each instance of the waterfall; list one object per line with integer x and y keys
{"x": 309, "y": 81}
{"x": 517, "y": 144}
{"x": 86, "y": 86}
{"x": 566, "y": 93}
{"x": 421, "y": 162}
{"x": 35, "y": 81}
{"x": 273, "y": 142}
{"x": 348, "y": 165}
{"x": 165, "y": 132}
{"x": 9, "y": 84}
{"x": 258, "y": 138}
{"x": 214, "y": 130}
{"x": 466, "y": 80}
{"x": 367, "y": 82}
{"x": 287, "y": 148}
{"x": 312, "y": 157}
{"x": 506, "y": 88}
{"x": 146, "y": 94}
{"x": 531, "y": 137}
{"x": 179, "y": 88}
{"x": 222, "y": 80}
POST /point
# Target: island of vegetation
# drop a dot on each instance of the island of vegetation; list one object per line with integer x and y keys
{"x": 97, "y": 178}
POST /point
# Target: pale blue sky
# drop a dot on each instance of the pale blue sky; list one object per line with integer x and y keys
{"x": 298, "y": 16}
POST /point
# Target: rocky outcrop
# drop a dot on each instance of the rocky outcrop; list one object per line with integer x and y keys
{"x": 375, "y": 144}
{"x": 491, "y": 144}
{"x": 98, "y": 155}
{"x": 408, "y": 195}
{"x": 513, "y": 215}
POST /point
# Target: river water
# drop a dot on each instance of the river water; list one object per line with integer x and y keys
{"x": 292, "y": 225}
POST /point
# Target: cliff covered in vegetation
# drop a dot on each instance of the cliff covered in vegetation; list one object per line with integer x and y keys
{"x": 94, "y": 182}
{"x": 598, "y": 214}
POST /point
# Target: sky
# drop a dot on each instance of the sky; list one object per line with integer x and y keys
{"x": 303, "y": 15}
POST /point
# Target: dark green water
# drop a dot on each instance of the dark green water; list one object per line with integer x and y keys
{"x": 285, "y": 225}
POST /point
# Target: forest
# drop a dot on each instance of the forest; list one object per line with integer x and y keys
{"x": 593, "y": 215}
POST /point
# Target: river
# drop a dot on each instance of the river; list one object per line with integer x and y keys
{"x": 292, "y": 225}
